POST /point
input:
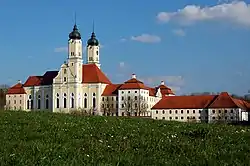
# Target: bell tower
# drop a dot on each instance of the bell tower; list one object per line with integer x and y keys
{"x": 93, "y": 50}
{"x": 75, "y": 56}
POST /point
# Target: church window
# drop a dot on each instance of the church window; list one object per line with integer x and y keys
{"x": 85, "y": 94}
{"x": 65, "y": 71}
{"x": 85, "y": 103}
{"x": 64, "y": 103}
{"x": 31, "y": 104}
{"x": 39, "y": 102}
{"x": 97, "y": 52}
{"x": 57, "y": 103}
{"x": 47, "y": 104}
{"x": 29, "y": 96}
{"x": 93, "y": 94}
{"x": 28, "y": 104}
{"x": 94, "y": 102}
{"x": 64, "y": 79}
{"x": 57, "y": 95}
{"x": 72, "y": 102}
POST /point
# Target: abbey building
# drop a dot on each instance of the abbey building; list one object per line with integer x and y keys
{"x": 82, "y": 85}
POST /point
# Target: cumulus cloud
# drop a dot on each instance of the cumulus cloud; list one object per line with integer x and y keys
{"x": 237, "y": 12}
{"x": 146, "y": 38}
{"x": 179, "y": 32}
{"x": 61, "y": 49}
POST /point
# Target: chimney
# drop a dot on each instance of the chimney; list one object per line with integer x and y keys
{"x": 133, "y": 76}
{"x": 19, "y": 81}
{"x": 162, "y": 83}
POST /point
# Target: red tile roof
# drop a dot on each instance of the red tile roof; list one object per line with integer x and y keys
{"x": 224, "y": 100}
{"x": 16, "y": 89}
{"x": 92, "y": 74}
{"x": 111, "y": 90}
{"x": 165, "y": 90}
{"x": 133, "y": 83}
{"x": 46, "y": 79}
{"x": 183, "y": 102}
{"x": 33, "y": 81}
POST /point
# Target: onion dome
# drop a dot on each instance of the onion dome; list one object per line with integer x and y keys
{"x": 75, "y": 34}
{"x": 93, "y": 41}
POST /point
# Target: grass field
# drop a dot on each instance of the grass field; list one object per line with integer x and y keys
{"x": 39, "y": 138}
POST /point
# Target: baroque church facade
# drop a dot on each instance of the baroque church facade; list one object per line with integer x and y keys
{"x": 82, "y": 85}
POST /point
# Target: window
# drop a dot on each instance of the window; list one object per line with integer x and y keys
{"x": 64, "y": 79}
{"x": 170, "y": 118}
{"x": 156, "y": 112}
{"x": 64, "y": 102}
{"x": 93, "y": 94}
{"x": 199, "y": 117}
{"x": 39, "y": 102}
{"x": 128, "y": 91}
{"x": 14, "y": 101}
{"x": 225, "y": 111}
{"x": 213, "y": 117}
{"x": 182, "y": 111}
{"x": 135, "y": 105}
{"x": 155, "y": 117}
{"x": 65, "y": 71}
{"x": 29, "y": 96}
{"x": 187, "y": 111}
{"x": 135, "y": 91}
{"x": 213, "y": 111}
{"x": 57, "y": 103}
{"x": 128, "y": 97}
{"x": 232, "y": 111}
{"x": 163, "y": 117}
{"x": 122, "y": 105}
{"x": 97, "y": 52}
{"x": 199, "y": 111}
{"x": 85, "y": 94}
{"x": 176, "y": 111}
{"x": 163, "y": 112}
{"x": 176, "y": 117}
{"x": 47, "y": 104}
{"x": 122, "y": 92}
{"x": 182, "y": 117}
{"x": 232, "y": 117}
{"x": 170, "y": 112}
{"x": 28, "y": 104}
{"x": 20, "y": 101}
{"x": 94, "y": 102}
{"x": 85, "y": 103}
{"x": 193, "y": 111}
{"x": 72, "y": 102}
{"x": 31, "y": 104}
{"x": 103, "y": 99}
{"x": 219, "y": 111}
{"x": 122, "y": 98}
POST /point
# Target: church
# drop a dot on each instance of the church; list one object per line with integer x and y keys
{"x": 79, "y": 85}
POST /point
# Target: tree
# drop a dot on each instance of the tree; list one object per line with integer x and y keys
{"x": 108, "y": 106}
{"x": 135, "y": 105}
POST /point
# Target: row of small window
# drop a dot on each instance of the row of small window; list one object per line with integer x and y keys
{"x": 85, "y": 103}
{"x": 221, "y": 111}
{"x": 143, "y": 105}
{"x": 39, "y": 96}
{"x": 72, "y": 95}
{"x": 109, "y": 105}
{"x": 112, "y": 98}
{"x": 176, "y": 118}
{"x": 15, "y": 95}
{"x": 129, "y": 91}
{"x": 145, "y": 92}
{"x": 176, "y": 111}
{"x": 30, "y": 104}
{"x": 73, "y": 54}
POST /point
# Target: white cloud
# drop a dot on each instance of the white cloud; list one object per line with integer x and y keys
{"x": 61, "y": 49}
{"x": 123, "y": 40}
{"x": 235, "y": 12}
{"x": 179, "y": 32}
{"x": 146, "y": 38}
{"x": 122, "y": 64}
{"x": 173, "y": 82}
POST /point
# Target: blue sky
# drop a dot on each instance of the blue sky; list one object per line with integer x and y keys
{"x": 194, "y": 46}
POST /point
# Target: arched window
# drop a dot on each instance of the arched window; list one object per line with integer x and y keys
{"x": 64, "y": 101}
{"x": 93, "y": 94}
{"x": 28, "y": 104}
{"x": 29, "y": 96}
{"x": 85, "y": 95}
{"x": 47, "y": 104}
{"x": 39, "y": 102}
{"x": 57, "y": 101}
{"x": 72, "y": 100}
{"x": 94, "y": 102}
{"x": 85, "y": 102}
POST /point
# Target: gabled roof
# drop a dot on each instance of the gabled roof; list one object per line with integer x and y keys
{"x": 33, "y": 81}
{"x": 184, "y": 102}
{"x": 165, "y": 90}
{"x": 16, "y": 89}
{"x": 224, "y": 100}
{"x": 133, "y": 83}
{"x": 46, "y": 79}
{"x": 111, "y": 90}
{"x": 92, "y": 74}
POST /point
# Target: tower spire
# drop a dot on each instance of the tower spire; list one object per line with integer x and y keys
{"x": 75, "y": 18}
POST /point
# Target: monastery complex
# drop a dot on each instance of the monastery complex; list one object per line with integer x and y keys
{"x": 82, "y": 86}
